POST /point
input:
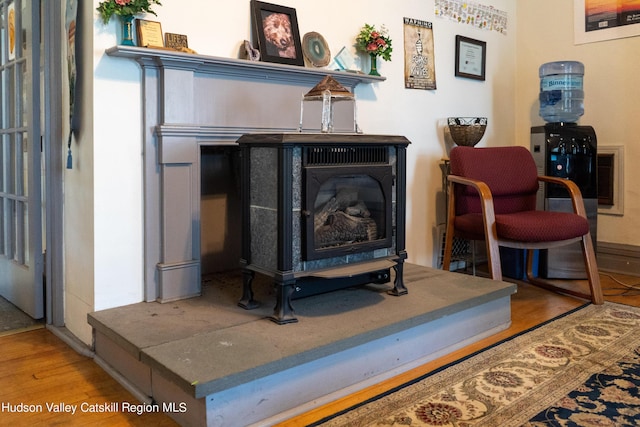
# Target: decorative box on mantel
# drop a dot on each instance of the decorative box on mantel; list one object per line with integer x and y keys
{"x": 322, "y": 212}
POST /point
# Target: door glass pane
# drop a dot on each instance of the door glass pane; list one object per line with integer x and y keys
{"x": 10, "y": 98}
{"x": 22, "y": 158}
{"x": 22, "y": 254}
{"x": 8, "y": 166}
{"x": 24, "y": 189}
{"x": 3, "y": 234}
{"x": 4, "y": 86}
{"x": 21, "y": 94}
{"x": 3, "y": 32}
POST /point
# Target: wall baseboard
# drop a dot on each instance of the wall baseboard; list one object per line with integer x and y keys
{"x": 619, "y": 258}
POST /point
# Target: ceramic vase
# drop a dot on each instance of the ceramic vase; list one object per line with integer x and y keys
{"x": 127, "y": 30}
{"x": 374, "y": 65}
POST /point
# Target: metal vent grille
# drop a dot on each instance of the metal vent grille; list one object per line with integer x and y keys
{"x": 330, "y": 156}
{"x": 461, "y": 254}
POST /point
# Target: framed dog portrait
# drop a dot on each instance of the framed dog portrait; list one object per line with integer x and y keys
{"x": 276, "y": 31}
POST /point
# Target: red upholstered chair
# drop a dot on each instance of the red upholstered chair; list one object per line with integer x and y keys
{"x": 492, "y": 197}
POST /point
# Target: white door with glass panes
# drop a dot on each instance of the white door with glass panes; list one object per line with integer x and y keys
{"x": 21, "y": 257}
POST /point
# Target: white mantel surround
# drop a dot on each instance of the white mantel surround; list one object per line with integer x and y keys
{"x": 190, "y": 101}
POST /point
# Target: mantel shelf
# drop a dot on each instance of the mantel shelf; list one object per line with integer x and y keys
{"x": 239, "y": 68}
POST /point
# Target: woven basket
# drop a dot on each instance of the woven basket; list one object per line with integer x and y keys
{"x": 467, "y": 131}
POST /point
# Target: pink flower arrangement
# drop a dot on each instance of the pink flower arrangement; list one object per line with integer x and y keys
{"x": 374, "y": 42}
{"x": 109, "y": 8}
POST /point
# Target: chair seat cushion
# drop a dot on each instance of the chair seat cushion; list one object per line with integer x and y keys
{"x": 528, "y": 226}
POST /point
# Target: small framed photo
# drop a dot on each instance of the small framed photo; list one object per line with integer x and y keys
{"x": 471, "y": 58}
{"x": 277, "y": 34}
{"x": 149, "y": 33}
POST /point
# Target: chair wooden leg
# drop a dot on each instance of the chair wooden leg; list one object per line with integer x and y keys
{"x": 493, "y": 259}
{"x": 449, "y": 230}
{"x": 595, "y": 294}
{"x": 592, "y": 269}
{"x": 448, "y": 248}
{"x": 530, "y": 256}
{"x": 493, "y": 251}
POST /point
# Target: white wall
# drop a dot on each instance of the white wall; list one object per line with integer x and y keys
{"x": 104, "y": 267}
{"x": 103, "y": 190}
{"x": 545, "y": 33}
{"x": 78, "y": 203}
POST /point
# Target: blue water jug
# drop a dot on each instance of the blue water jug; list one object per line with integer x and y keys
{"x": 561, "y": 93}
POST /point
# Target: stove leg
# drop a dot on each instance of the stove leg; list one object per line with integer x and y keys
{"x": 283, "y": 311}
{"x": 247, "y": 302}
{"x": 398, "y": 283}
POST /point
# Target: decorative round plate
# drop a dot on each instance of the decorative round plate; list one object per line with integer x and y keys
{"x": 315, "y": 49}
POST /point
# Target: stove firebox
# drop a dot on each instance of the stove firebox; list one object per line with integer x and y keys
{"x": 321, "y": 212}
{"x": 346, "y": 209}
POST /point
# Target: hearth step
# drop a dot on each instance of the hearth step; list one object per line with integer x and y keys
{"x": 233, "y": 367}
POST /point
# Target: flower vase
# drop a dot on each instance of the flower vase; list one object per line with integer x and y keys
{"x": 127, "y": 30}
{"x": 374, "y": 65}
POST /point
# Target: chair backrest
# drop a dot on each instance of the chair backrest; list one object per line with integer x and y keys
{"x": 510, "y": 173}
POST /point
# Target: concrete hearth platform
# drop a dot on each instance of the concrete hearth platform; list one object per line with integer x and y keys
{"x": 229, "y": 366}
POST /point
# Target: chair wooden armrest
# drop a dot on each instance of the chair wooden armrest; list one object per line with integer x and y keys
{"x": 486, "y": 198}
{"x": 488, "y": 217}
{"x": 574, "y": 192}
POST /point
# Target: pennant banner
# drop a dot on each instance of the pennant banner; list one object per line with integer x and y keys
{"x": 472, "y": 13}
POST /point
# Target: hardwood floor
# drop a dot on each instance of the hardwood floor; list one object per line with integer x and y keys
{"x": 37, "y": 368}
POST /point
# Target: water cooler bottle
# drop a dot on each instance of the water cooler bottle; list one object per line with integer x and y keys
{"x": 566, "y": 150}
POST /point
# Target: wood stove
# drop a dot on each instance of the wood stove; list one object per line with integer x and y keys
{"x": 321, "y": 212}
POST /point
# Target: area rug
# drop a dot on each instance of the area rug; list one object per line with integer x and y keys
{"x": 582, "y": 369}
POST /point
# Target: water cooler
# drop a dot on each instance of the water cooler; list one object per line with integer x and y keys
{"x": 566, "y": 150}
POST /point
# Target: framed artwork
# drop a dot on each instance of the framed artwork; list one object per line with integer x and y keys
{"x": 600, "y": 20}
{"x": 471, "y": 57}
{"x": 419, "y": 55}
{"x": 276, "y": 31}
{"x": 149, "y": 33}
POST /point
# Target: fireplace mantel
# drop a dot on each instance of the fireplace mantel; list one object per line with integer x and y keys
{"x": 238, "y": 68}
{"x": 189, "y": 101}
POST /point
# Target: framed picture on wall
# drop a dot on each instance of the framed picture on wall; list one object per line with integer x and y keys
{"x": 598, "y": 20}
{"x": 419, "y": 55}
{"x": 471, "y": 57}
{"x": 276, "y": 31}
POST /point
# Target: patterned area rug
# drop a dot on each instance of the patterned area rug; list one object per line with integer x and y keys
{"x": 582, "y": 369}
